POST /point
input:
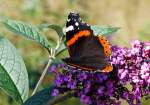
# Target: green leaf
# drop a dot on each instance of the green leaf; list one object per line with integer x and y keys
{"x": 55, "y": 27}
{"x": 61, "y": 48}
{"x": 13, "y": 73}
{"x": 41, "y": 97}
{"x": 56, "y": 61}
{"x": 104, "y": 30}
{"x": 28, "y": 31}
{"x": 58, "y": 29}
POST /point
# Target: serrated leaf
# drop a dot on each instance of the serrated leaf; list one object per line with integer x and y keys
{"x": 55, "y": 27}
{"x": 13, "y": 73}
{"x": 41, "y": 97}
{"x": 27, "y": 30}
{"x": 103, "y": 30}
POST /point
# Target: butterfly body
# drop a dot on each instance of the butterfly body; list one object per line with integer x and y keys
{"x": 87, "y": 51}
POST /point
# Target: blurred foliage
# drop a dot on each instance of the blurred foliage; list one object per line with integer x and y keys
{"x": 132, "y": 16}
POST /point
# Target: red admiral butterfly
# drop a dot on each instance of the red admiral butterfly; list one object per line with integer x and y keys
{"x": 87, "y": 52}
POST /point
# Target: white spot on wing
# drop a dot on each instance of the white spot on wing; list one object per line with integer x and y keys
{"x": 69, "y": 28}
{"x": 76, "y": 23}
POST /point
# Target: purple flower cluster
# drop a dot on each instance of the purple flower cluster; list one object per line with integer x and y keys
{"x": 92, "y": 88}
{"x": 131, "y": 66}
{"x": 133, "y": 63}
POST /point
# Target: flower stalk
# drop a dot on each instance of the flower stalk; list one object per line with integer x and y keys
{"x": 42, "y": 76}
{"x": 51, "y": 58}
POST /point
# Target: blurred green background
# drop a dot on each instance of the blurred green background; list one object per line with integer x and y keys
{"x": 132, "y": 16}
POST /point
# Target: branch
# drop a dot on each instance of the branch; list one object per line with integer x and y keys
{"x": 60, "y": 98}
{"x": 42, "y": 76}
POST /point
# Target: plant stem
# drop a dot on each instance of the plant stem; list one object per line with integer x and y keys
{"x": 42, "y": 76}
{"x": 60, "y": 98}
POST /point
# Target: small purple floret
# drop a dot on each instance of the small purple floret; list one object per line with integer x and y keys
{"x": 55, "y": 92}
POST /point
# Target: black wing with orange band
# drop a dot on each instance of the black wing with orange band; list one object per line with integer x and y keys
{"x": 87, "y": 51}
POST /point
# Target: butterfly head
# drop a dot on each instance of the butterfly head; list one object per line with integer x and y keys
{"x": 75, "y": 24}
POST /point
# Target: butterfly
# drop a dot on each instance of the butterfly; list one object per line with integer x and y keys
{"x": 87, "y": 51}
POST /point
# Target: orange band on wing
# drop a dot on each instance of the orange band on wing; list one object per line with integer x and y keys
{"x": 108, "y": 68}
{"x": 105, "y": 45}
{"x": 81, "y": 67}
{"x": 77, "y": 36}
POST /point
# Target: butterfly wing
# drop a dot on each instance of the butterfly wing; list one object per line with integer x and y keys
{"x": 88, "y": 53}
{"x": 86, "y": 50}
{"x": 75, "y": 29}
